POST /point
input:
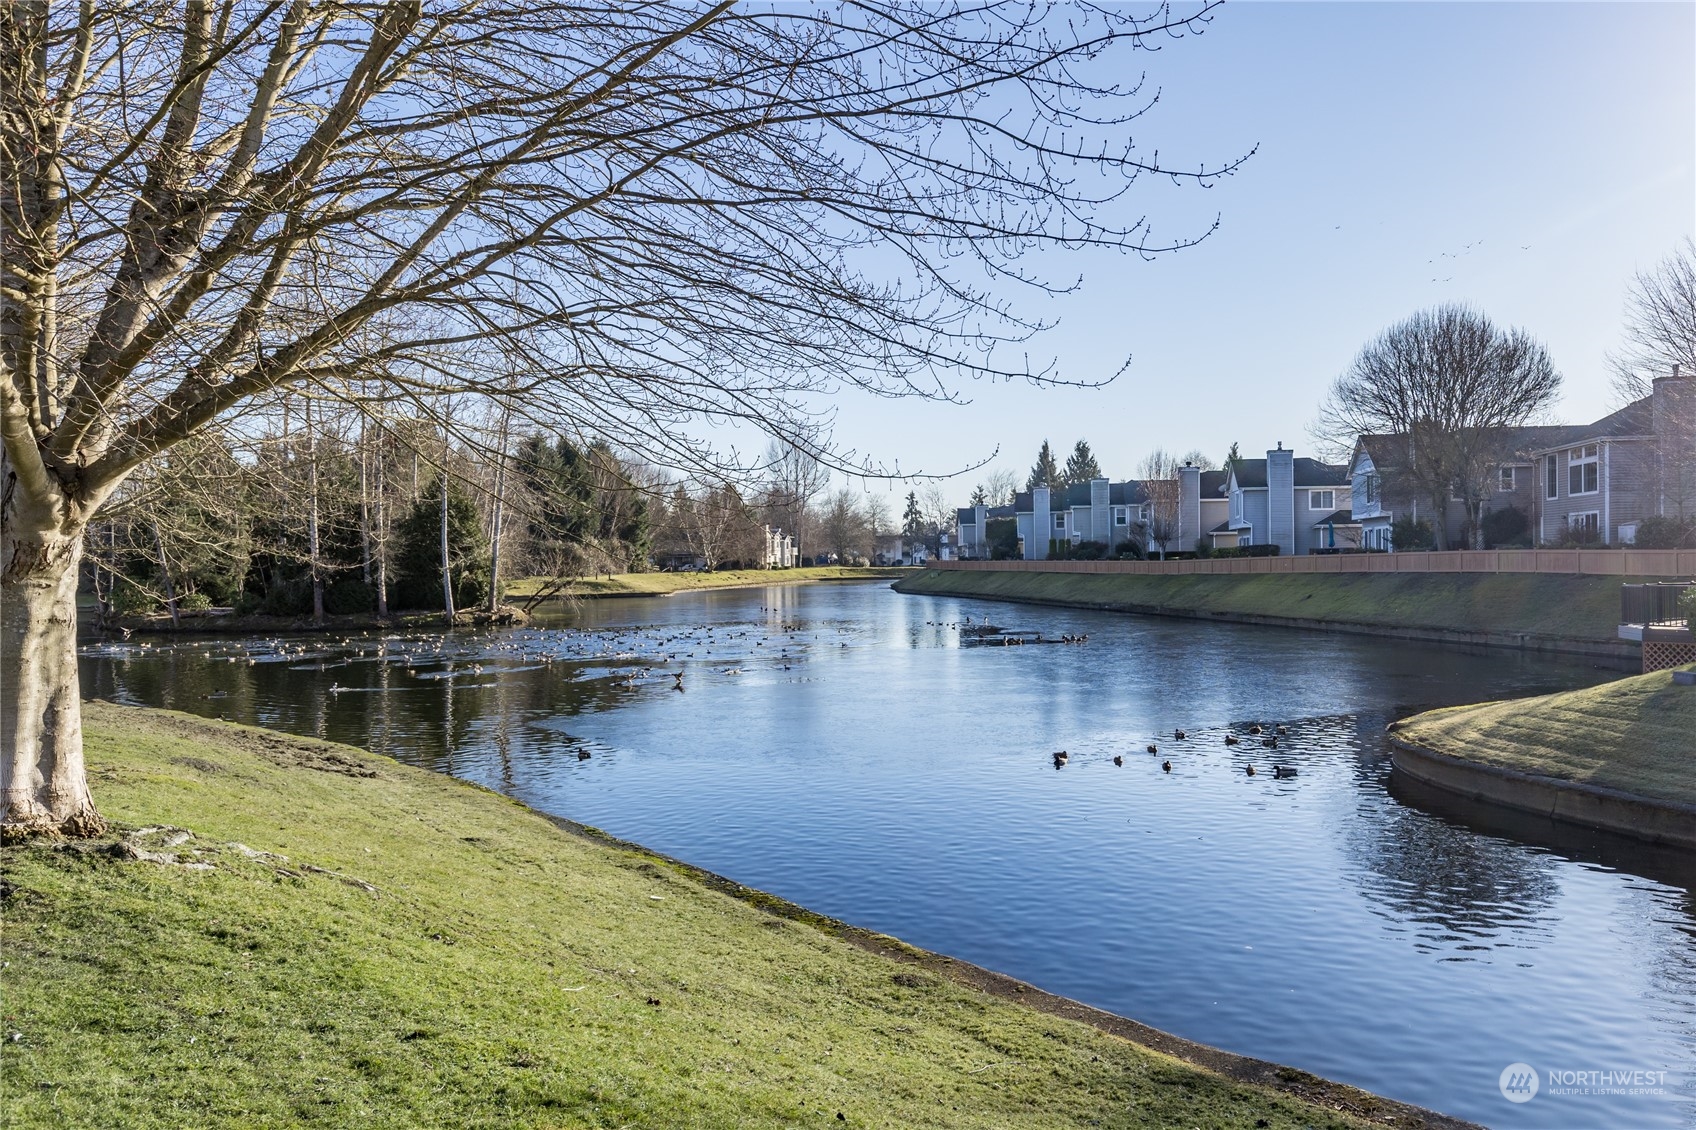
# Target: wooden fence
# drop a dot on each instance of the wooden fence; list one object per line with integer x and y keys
{"x": 1601, "y": 562}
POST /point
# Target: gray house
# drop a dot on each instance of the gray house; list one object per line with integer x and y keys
{"x": 1379, "y": 494}
{"x": 971, "y": 530}
{"x": 1632, "y": 464}
{"x": 1099, "y": 510}
{"x": 1299, "y": 505}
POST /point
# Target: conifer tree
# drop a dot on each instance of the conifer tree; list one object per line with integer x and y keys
{"x": 1046, "y": 473}
{"x": 1081, "y": 466}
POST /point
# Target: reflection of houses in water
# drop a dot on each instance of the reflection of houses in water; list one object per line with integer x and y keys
{"x": 1456, "y": 889}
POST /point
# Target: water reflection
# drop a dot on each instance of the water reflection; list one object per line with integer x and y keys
{"x": 838, "y": 746}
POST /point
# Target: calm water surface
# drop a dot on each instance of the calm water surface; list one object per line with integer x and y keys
{"x": 836, "y": 745}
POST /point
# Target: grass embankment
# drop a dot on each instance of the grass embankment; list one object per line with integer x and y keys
{"x": 664, "y": 584}
{"x": 345, "y": 941}
{"x": 1545, "y": 605}
{"x": 1636, "y": 735}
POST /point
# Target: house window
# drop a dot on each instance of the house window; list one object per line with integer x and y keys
{"x": 1372, "y": 488}
{"x": 1505, "y": 480}
{"x": 1059, "y": 521}
{"x": 1121, "y": 516}
{"x": 1552, "y": 475}
{"x": 1590, "y": 520}
{"x": 1581, "y": 470}
{"x": 1321, "y": 500}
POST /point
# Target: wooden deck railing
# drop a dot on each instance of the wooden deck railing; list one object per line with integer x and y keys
{"x": 1597, "y": 562}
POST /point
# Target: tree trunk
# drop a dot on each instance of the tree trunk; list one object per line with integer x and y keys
{"x": 382, "y": 538}
{"x": 495, "y": 518}
{"x": 312, "y": 518}
{"x": 43, "y": 785}
{"x": 447, "y": 570}
{"x": 165, "y": 576}
{"x": 364, "y": 509}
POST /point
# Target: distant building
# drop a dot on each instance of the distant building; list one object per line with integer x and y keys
{"x": 1299, "y": 505}
{"x": 778, "y": 550}
{"x": 1608, "y": 476}
{"x": 971, "y": 530}
{"x": 1099, "y": 510}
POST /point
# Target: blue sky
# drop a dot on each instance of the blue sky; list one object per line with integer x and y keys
{"x": 1526, "y": 157}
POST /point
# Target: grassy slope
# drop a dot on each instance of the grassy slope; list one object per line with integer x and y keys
{"x": 1634, "y": 734}
{"x": 661, "y": 584}
{"x": 1568, "y": 606}
{"x": 502, "y": 973}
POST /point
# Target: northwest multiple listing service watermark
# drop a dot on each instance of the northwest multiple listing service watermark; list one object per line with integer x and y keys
{"x": 1520, "y": 1082}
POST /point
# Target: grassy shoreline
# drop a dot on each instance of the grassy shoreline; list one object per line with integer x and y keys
{"x": 1632, "y": 736}
{"x": 667, "y": 584}
{"x": 1515, "y": 609}
{"x": 336, "y": 939}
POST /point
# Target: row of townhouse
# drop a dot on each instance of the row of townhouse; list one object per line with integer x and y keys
{"x": 1097, "y": 511}
{"x": 1605, "y": 477}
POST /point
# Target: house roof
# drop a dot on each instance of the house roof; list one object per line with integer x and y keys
{"x": 968, "y": 514}
{"x": 1389, "y": 451}
{"x": 1251, "y": 473}
{"x": 1077, "y": 494}
{"x": 1338, "y": 518}
{"x": 1221, "y": 528}
{"x": 1214, "y": 483}
{"x": 1635, "y": 419}
{"x": 1133, "y": 493}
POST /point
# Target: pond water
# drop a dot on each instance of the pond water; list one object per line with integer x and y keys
{"x": 836, "y": 745}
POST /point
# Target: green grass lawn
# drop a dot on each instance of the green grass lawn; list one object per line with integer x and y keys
{"x": 1567, "y": 606}
{"x": 1637, "y": 735}
{"x": 346, "y": 942}
{"x": 664, "y": 584}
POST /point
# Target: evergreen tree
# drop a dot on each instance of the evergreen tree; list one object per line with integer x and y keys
{"x": 1232, "y": 458}
{"x": 419, "y": 551}
{"x": 1046, "y": 473}
{"x": 980, "y": 496}
{"x": 913, "y": 519}
{"x": 562, "y": 481}
{"x": 1081, "y": 466}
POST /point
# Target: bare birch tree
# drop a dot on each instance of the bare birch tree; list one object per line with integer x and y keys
{"x": 668, "y": 209}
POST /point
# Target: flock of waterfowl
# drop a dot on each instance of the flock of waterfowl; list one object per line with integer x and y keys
{"x": 627, "y": 658}
{"x": 1270, "y": 741}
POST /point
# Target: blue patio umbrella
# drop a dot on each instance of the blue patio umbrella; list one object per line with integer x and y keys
{"x": 1330, "y": 533}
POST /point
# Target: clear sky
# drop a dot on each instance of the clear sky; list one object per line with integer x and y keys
{"x": 1525, "y": 157}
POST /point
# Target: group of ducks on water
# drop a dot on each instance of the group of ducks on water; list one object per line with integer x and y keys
{"x": 1270, "y": 741}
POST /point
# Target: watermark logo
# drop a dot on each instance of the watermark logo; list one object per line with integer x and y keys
{"x": 1518, "y": 1083}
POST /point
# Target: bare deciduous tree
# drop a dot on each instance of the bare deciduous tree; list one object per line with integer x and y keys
{"x": 1455, "y": 386}
{"x": 1660, "y": 324}
{"x": 1000, "y": 487}
{"x": 1159, "y": 474}
{"x": 1660, "y": 341}
{"x": 661, "y": 209}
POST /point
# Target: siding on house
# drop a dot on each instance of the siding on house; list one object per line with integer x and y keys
{"x": 1623, "y": 489}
